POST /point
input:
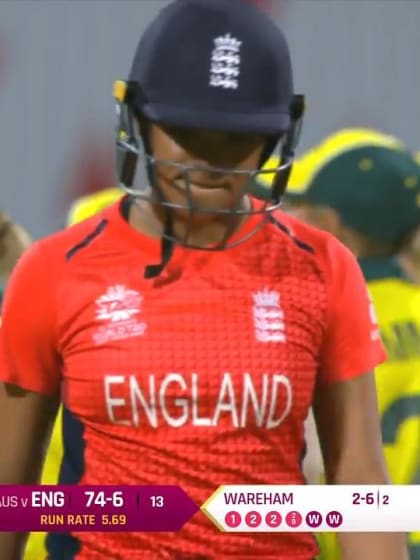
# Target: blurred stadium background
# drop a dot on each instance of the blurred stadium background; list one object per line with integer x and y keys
{"x": 357, "y": 61}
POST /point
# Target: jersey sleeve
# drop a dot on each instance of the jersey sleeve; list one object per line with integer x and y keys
{"x": 28, "y": 356}
{"x": 352, "y": 344}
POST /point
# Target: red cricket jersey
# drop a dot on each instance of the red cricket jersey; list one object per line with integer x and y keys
{"x": 200, "y": 377}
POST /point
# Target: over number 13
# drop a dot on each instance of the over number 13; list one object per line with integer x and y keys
{"x": 157, "y": 501}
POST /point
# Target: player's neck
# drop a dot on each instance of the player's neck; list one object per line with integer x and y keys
{"x": 149, "y": 219}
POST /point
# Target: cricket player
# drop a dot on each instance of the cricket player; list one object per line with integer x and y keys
{"x": 364, "y": 187}
{"x": 188, "y": 329}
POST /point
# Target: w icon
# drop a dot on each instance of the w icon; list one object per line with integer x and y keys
{"x": 334, "y": 519}
{"x": 313, "y": 519}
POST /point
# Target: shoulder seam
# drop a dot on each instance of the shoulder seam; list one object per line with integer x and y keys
{"x": 286, "y": 230}
{"x": 87, "y": 239}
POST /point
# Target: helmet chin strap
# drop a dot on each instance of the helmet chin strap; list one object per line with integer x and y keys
{"x": 167, "y": 244}
{"x": 166, "y": 251}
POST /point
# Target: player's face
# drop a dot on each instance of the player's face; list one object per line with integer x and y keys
{"x": 204, "y": 149}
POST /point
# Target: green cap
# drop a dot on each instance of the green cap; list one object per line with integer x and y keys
{"x": 375, "y": 189}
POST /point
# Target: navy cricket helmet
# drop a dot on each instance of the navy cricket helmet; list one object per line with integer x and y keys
{"x": 217, "y": 65}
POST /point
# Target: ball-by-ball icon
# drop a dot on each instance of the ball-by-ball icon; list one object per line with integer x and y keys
{"x": 334, "y": 519}
{"x": 273, "y": 519}
{"x": 233, "y": 519}
{"x": 293, "y": 519}
{"x": 313, "y": 519}
{"x": 253, "y": 519}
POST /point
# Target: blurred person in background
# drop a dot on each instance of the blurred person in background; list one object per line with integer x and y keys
{"x": 87, "y": 206}
{"x": 410, "y": 253}
{"x": 364, "y": 188}
{"x": 14, "y": 240}
{"x": 410, "y": 256}
{"x": 166, "y": 278}
{"x": 89, "y": 168}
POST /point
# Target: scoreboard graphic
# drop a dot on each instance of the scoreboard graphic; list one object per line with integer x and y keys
{"x": 65, "y": 508}
{"x": 315, "y": 508}
{"x": 231, "y": 508}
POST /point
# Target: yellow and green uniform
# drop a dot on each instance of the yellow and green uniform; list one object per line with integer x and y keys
{"x": 307, "y": 166}
{"x": 82, "y": 208}
{"x": 397, "y": 305}
{"x": 373, "y": 184}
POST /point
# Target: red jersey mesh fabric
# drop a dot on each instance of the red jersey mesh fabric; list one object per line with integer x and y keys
{"x": 199, "y": 378}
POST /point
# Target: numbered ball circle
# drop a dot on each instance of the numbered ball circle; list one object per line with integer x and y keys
{"x": 293, "y": 519}
{"x": 253, "y": 519}
{"x": 273, "y": 519}
{"x": 233, "y": 519}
